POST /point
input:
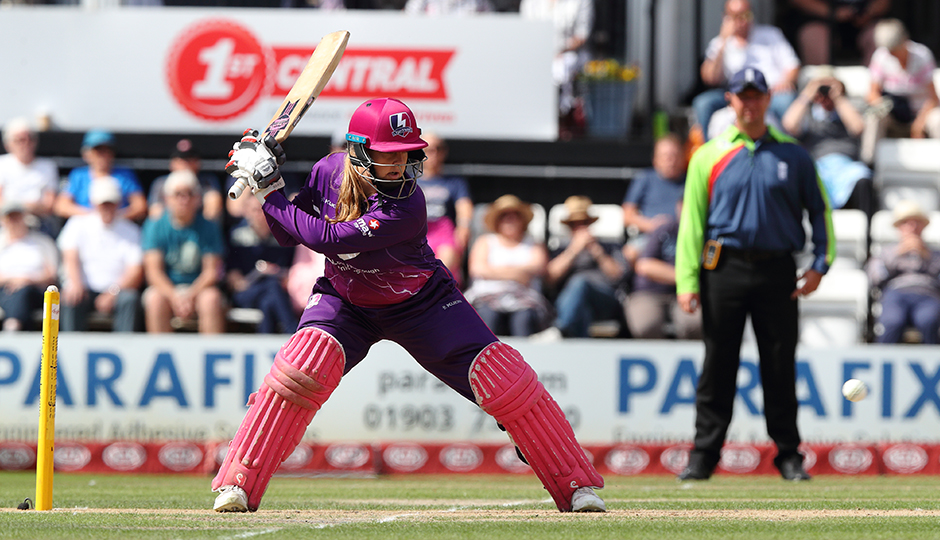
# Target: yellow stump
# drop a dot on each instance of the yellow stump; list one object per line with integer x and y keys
{"x": 47, "y": 393}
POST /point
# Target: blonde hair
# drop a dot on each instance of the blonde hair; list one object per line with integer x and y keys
{"x": 353, "y": 200}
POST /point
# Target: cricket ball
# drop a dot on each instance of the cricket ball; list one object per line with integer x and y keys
{"x": 854, "y": 390}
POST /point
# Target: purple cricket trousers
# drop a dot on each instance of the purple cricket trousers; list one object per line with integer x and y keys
{"x": 437, "y": 326}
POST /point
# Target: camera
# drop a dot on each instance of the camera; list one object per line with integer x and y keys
{"x": 824, "y": 90}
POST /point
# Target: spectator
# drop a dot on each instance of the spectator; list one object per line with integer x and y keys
{"x": 652, "y": 301}
{"x": 853, "y": 22}
{"x": 185, "y": 157}
{"x": 257, "y": 271}
{"x": 29, "y": 180}
{"x": 652, "y": 196}
{"x": 586, "y": 272}
{"x": 829, "y": 127}
{"x": 447, "y": 7}
{"x": 102, "y": 264}
{"x": 450, "y": 209}
{"x": 901, "y": 84}
{"x": 908, "y": 277}
{"x": 506, "y": 267}
{"x": 98, "y": 153}
{"x": 741, "y": 44}
{"x": 572, "y": 20}
{"x": 183, "y": 261}
{"x": 28, "y": 264}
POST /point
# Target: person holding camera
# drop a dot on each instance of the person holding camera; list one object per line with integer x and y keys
{"x": 829, "y": 127}
{"x": 902, "y": 95}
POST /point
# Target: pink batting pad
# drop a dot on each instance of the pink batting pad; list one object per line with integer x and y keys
{"x": 305, "y": 372}
{"x": 508, "y": 388}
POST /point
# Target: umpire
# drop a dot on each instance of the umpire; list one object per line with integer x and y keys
{"x": 741, "y": 225}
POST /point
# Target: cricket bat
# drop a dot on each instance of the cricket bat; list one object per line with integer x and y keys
{"x": 309, "y": 84}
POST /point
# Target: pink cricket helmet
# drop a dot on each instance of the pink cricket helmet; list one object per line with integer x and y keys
{"x": 385, "y": 125}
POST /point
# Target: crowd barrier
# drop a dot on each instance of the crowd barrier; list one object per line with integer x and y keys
{"x": 356, "y": 459}
{"x": 168, "y": 403}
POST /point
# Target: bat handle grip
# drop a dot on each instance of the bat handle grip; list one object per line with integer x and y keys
{"x": 237, "y": 188}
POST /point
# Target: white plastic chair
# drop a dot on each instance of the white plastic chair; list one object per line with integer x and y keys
{"x": 851, "y": 232}
{"x": 908, "y": 169}
{"x": 836, "y": 314}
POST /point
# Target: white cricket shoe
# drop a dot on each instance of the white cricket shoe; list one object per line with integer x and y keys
{"x": 585, "y": 500}
{"x": 232, "y": 499}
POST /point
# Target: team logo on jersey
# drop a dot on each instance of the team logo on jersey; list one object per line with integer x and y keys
{"x": 313, "y": 300}
{"x": 363, "y": 227}
{"x": 373, "y": 224}
{"x": 401, "y": 127}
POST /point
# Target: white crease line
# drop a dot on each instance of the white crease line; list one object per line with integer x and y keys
{"x": 393, "y": 518}
{"x": 249, "y": 534}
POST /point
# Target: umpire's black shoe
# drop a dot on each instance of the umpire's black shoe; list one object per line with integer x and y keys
{"x": 694, "y": 472}
{"x": 792, "y": 469}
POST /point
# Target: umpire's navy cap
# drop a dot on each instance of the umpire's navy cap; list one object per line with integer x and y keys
{"x": 747, "y": 78}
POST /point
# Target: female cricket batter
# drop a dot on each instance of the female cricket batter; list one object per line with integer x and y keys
{"x": 362, "y": 211}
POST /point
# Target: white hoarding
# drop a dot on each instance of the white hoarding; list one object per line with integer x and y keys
{"x": 195, "y": 70}
{"x": 146, "y": 387}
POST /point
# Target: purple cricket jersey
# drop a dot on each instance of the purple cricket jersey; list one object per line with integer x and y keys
{"x": 379, "y": 259}
{"x": 382, "y": 280}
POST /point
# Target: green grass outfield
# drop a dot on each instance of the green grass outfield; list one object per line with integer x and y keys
{"x": 419, "y": 507}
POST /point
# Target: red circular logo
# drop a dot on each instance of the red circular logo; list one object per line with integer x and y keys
{"x": 180, "y": 456}
{"x": 627, "y": 460}
{"x": 300, "y": 457}
{"x": 507, "y": 458}
{"x": 124, "y": 456}
{"x": 15, "y": 456}
{"x": 71, "y": 456}
{"x": 217, "y": 69}
{"x": 347, "y": 456}
{"x": 905, "y": 458}
{"x": 405, "y": 457}
{"x": 675, "y": 458}
{"x": 739, "y": 458}
{"x": 461, "y": 457}
{"x": 850, "y": 458}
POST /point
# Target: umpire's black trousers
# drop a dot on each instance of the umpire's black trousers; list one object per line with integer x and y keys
{"x": 758, "y": 284}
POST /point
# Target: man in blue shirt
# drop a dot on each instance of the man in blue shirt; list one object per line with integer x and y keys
{"x": 744, "y": 200}
{"x": 98, "y": 153}
{"x": 183, "y": 261}
{"x": 651, "y": 199}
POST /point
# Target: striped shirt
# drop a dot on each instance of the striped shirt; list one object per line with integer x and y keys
{"x": 750, "y": 195}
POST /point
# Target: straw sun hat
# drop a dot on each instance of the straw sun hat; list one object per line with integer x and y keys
{"x": 503, "y": 205}
{"x": 577, "y": 207}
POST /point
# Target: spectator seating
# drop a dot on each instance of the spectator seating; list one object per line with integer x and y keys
{"x": 836, "y": 315}
{"x": 851, "y": 232}
{"x": 908, "y": 169}
{"x": 608, "y": 227}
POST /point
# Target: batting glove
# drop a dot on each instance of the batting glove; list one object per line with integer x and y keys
{"x": 257, "y": 162}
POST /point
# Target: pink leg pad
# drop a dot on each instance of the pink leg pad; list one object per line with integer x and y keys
{"x": 508, "y": 388}
{"x": 305, "y": 372}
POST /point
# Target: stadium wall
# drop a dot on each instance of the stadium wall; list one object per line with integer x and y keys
{"x": 169, "y": 403}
